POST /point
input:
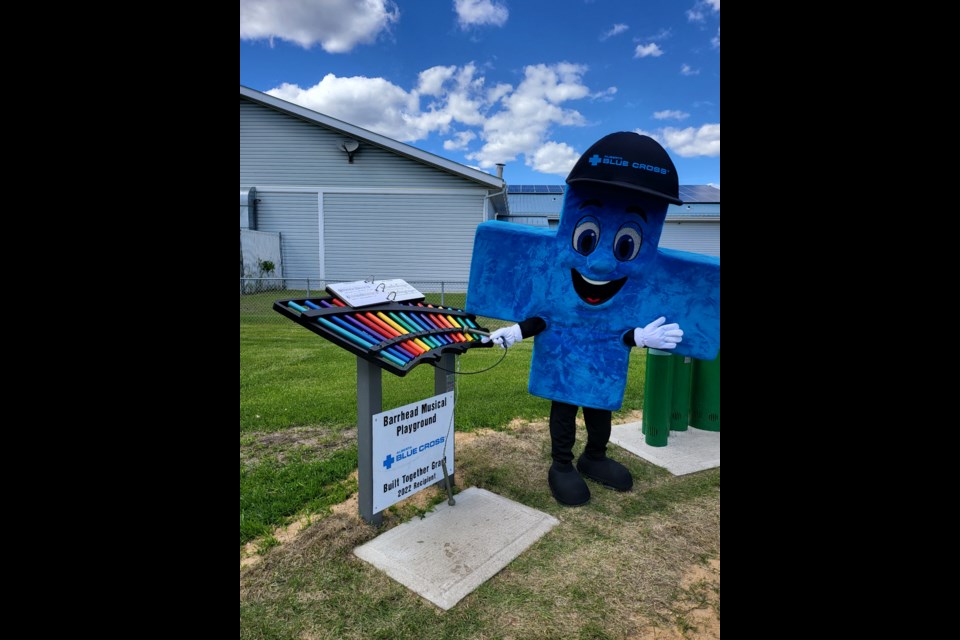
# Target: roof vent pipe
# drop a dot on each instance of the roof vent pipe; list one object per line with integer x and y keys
{"x": 500, "y": 170}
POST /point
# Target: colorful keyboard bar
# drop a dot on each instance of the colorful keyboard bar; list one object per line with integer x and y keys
{"x": 397, "y": 336}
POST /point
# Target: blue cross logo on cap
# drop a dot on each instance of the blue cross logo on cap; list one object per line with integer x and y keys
{"x": 594, "y": 160}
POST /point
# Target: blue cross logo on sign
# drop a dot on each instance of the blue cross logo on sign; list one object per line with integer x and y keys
{"x": 388, "y": 461}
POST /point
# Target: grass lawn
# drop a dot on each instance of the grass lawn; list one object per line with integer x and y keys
{"x": 623, "y": 564}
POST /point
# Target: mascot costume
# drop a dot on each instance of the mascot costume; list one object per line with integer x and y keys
{"x": 590, "y": 291}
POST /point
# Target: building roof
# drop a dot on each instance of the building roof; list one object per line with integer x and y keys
{"x": 700, "y": 201}
{"x": 699, "y": 194}
{"x": 689, "y": 193}
{"x": 536, "y": 188}
{"x": 485, "y": 179}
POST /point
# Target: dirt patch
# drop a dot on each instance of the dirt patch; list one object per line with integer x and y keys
{"x": 628, "y": 416}
{"x": 250, "y": 554}
{"x": 697, "y": 609}
{"x": 307, "y": 437}
{"x": 701, "y": 594}
{"x": 334, "y": 536}
{"x": 525, "y": 427}
{"x": 464, "y": 439}
{"x": 519, "y": 425}
{"x": 309, "y": 442}
{"x": 351, "y": 506}
{"x": 700, "y": 573}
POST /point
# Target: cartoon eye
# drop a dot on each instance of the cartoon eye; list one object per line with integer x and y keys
{"x": 626, "y": 244}
{"x": 586, "y": 235}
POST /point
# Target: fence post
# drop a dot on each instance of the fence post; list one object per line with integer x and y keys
{"x": 308, "y": 287}
{"x": 442, "y": 303}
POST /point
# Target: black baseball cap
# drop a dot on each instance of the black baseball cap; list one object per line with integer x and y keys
{"x": 629, "y": 160}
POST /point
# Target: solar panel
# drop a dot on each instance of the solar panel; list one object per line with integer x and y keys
{"x": 699, "y": 193}
{"x": 536, "y": 188}
{"x": 692, "y": 193}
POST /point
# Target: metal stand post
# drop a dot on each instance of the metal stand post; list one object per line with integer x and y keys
{"x": 444, "y": 381}
{"x": 369, "y": 403}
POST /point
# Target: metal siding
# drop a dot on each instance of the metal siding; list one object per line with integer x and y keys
{"x": 414, "y": 237}
{"x": 280, "y": 149}
{"x": 521, "y": 203}
{"x": 532, "y": 221}
{"x": 694, "y": 209}
{"x": 698, "y": 237}
{"x": 295, "y": 216}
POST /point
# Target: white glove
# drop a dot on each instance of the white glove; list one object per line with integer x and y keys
{"x": 505, "y": 337}
{"x": 658, "y": 335}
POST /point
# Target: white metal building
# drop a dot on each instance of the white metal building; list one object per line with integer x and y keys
{"x": 349, "y": 203}
{"x": 692, "y": 226}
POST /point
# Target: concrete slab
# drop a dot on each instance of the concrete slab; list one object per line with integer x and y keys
{"x": 686, "y": 451}
{"x": 453, "y": 550}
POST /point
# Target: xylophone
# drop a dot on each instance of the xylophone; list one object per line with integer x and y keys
{"x": 396, "y": 336}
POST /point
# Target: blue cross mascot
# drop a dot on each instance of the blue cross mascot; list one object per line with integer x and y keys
{"x": 590, "y": 291}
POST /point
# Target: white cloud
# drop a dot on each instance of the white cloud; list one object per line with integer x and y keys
{"x": 480, "y": 12}
{"x": 604, "y": 96}
{"x": 465, "y": 100}
{"x": 661, "y": 35}
{"x": 338, "y": 25}
{"x": 554, "y": 157}
{"x": 459, "y": 141}
{"x": 371, "y": 103}
{"x": 644, "y": 50}
{"x": 431, "y": 80}
{"x": 453, "y": 101}
{"x": 671, "y": 114}
{"x": 454, "y": 95}
{"x": 698, "y": 12}
{"x": 689, "y": 142}
{"x": 528, "y": 113}
{"x": 498, "y": 92}
{"x": 613, "y": 31}
{"x": 687, "y": 70}
{"x": 716, "y": 40}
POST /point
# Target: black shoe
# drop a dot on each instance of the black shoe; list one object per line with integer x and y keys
{"x": 607, "y": 472}
{"x": 567, "y": 486}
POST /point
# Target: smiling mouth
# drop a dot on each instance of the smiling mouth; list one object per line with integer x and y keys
{"x": 595, "y": 291}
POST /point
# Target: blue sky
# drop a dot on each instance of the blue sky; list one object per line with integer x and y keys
{"x": 530, "y": 83}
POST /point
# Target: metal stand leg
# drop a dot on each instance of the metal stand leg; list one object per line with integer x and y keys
{"x": 369, "y": 403}
{"x": 444, "y": 381}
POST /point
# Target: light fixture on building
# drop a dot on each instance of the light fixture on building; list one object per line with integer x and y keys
{"x": 350, "y": 147}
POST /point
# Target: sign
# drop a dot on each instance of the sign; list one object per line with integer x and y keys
{"x": 408, "y": 448}
{"x": 364, "y": 293}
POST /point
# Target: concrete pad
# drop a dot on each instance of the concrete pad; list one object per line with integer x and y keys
{"x": 686, "y": 451}
{"x": 453, "y": 550}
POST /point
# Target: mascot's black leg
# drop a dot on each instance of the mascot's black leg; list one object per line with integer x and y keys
{"x": 598, "y": 432}
{"x": 565, "y": 483}
{"x": 563, "y": 431}
{"x": 594, "y": 462}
